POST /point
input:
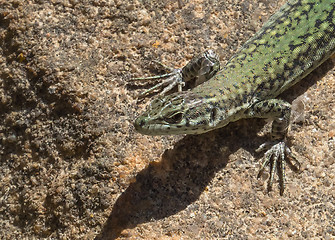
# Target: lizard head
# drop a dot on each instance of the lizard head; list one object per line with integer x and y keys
{"x": 179, "y": 113}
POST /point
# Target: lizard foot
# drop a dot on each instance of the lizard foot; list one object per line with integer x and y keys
{"x": 172, "y": 79}
{"x": 195, "y": 72}
{"x": 276, "y": 156}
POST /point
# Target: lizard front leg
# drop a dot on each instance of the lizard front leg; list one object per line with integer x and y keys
{"x": 277, "y": 152}
{"x": 200, "y": 69}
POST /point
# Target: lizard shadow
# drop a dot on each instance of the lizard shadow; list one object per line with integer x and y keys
{"x": 165, "y": 188}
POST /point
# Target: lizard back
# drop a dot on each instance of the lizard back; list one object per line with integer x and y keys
{"x": 293, "y": 42}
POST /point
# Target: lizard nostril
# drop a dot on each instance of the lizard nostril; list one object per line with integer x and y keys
{"x": 139, "y": 123}
{"x": 214, "y": 114}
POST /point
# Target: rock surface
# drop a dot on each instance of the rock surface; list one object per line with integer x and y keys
{"x": 72, "y": 165}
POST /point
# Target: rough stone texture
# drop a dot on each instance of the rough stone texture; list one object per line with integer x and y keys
{"x": 72, "y": 166}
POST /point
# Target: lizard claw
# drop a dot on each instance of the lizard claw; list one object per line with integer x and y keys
{"x": 276, "y": 156}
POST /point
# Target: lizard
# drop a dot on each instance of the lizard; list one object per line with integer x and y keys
{"x": 292, "y": 43}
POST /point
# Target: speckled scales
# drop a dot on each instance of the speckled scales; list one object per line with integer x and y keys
{"x": 290, "y": 45}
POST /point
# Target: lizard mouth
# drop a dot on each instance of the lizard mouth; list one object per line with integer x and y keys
{"x": 152, "y": 129}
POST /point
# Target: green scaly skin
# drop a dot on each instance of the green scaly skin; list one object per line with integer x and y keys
{"x": 291, "y": 44}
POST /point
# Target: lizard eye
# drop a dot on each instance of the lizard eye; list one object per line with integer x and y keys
{"x": 174, "y": 117}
